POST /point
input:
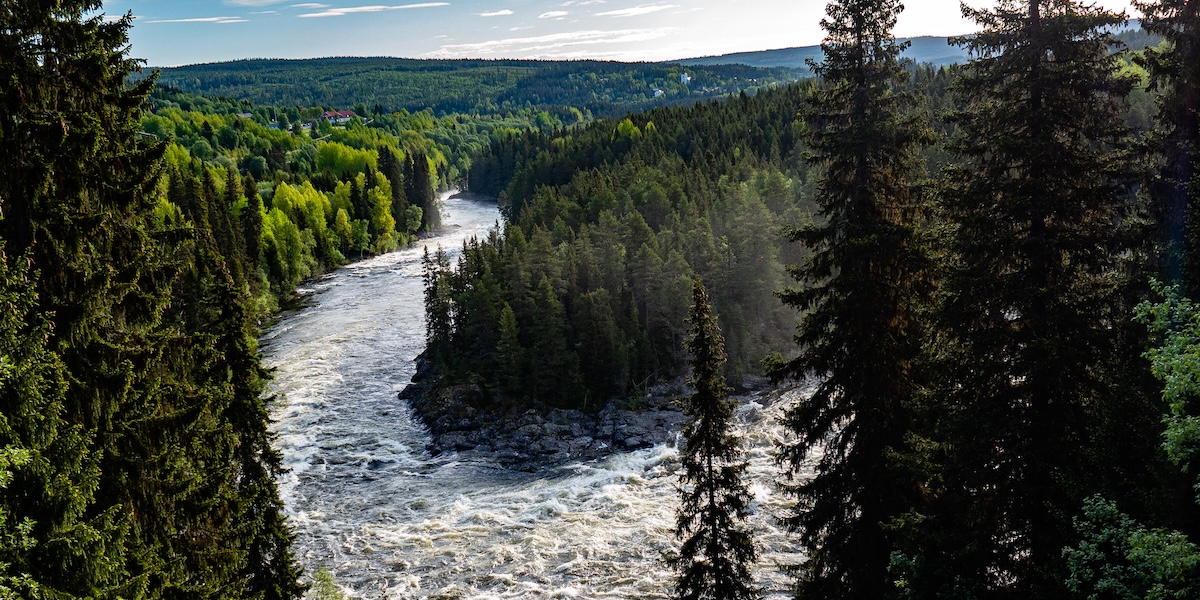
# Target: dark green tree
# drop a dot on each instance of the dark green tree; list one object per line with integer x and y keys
{"x": 858, "y": 329}
{"x": 439, "y": 324}
{"x": 717, "y": 550}
{"x": 130, "y": 478}
{"x": 1175, "y": 71}
{"x": 509, "y": 354}
{"x": 418, "y": 189}
{"x": 48, "y": 470}
{"x": 1029, "y": 312}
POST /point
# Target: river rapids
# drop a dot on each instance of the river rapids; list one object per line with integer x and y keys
{"x": 371, "y": 507}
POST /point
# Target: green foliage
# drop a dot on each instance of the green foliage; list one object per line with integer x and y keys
{"x": 1116, "y": 556}
{"x": 1119, "y": 559}
{"x": 324, "y": 587}
{"x": 1176, "y": 362}
{"x": 717, "y": 550}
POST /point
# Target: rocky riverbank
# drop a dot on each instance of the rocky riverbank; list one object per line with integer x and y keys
{"x": 531, "y": 439}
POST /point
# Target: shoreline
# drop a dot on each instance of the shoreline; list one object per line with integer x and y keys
{"x": 532, "y": 440}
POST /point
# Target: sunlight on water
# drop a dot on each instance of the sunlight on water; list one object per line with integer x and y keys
{"x": 388, "y": 521}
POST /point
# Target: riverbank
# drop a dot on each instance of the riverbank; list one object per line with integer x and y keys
{"x": 530, "y": 440}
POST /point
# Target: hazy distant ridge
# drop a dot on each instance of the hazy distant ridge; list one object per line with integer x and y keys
{"x": 925, "y": 49}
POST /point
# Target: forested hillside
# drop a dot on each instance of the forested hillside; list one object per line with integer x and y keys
{"x": 572, "y": 91}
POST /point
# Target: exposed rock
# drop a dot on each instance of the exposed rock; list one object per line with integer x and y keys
{"x": 529, "y": 440}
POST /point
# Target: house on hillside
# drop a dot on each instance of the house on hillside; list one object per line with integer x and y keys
{"x": 338, "y": 117}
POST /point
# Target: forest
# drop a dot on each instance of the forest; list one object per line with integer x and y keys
{"x": 572, "y": 91}
{"x": 988, "y": 269}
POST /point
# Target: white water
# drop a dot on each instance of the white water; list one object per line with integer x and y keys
{"x": 387, "y": 520}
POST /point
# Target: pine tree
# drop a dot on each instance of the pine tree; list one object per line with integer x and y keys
{"x": 717, "y": 551}
{"x": 1175, "y": 71}
{"x": 858, "y": 328}
{"x": 1028, "y": 313}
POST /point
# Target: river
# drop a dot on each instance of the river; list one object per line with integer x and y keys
{"x": 387, "y": 520}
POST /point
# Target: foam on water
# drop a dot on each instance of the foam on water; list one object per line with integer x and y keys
{"x": 389, "y": 521}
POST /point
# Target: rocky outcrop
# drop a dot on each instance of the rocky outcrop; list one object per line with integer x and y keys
{"x": 530, "y": 439}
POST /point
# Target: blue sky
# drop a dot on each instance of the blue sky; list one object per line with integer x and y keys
{"x": 175, "y": 32}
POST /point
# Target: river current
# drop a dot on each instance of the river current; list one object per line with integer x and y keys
{"x": 387, "y": 520}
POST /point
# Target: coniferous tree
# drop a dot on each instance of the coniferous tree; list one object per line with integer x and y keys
{"x": 717, "y": 551}
{"x": 439, "y": 322}
{"x": 1175, "y": 71}
{"x": 48, "y": 470}
{"x": 419, "y": 191}
{"x": 1029, "y": 312}
{"x": 131, "y": 483}
{"x": 858, "y": 328}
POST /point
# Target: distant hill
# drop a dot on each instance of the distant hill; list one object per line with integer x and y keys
{"x": 926, "y": 49}
{"x": 593, "y": 88}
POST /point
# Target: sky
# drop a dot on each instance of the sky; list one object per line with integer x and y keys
{"x": 178, "y": 32}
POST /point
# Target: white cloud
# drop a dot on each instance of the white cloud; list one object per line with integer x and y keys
{"x": 252, "y": 2}
{"x": 264, "y": 12}
{"x": 498, "y": 13}
{"x": 589, "y": 2}
{"x": 341, "y": 12}
{"x": 310, "y": 5}
{"x": 552, "y": 45}
{"x": 554, "y": 14}
{"x": 636, "y": 10}
{"x": 520, "y": 28}
{"x": 221, "y": 20}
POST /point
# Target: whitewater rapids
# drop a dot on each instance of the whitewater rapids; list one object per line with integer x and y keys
{"x": 386, "y": 520}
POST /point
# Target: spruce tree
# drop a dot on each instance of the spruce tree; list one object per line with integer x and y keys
{"x": 858, "y": 330}
{"x": 1029, "y": 313}
{"x": 1175, "y": 191}
{"x": 149, "y": 474}
{"x": 717, "y": 550}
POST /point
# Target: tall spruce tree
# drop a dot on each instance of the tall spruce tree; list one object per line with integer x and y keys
{"x": 717, "y": 552}
{"x": 148, "y": 471}
{"x": 1175, "y": 71}
{"x": 858, "y": 329}
{"x": 1029, "y": 314}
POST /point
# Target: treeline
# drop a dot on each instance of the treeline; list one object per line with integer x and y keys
{"x": 968, "y": 247}
{"x": 571, "y": 91}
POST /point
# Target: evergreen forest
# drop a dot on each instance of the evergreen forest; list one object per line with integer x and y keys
{"x": 572, "y": 91}
{"x": 987, "y": 271}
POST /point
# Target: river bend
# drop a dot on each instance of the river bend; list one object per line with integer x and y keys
{"x": 387, "y": 520}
